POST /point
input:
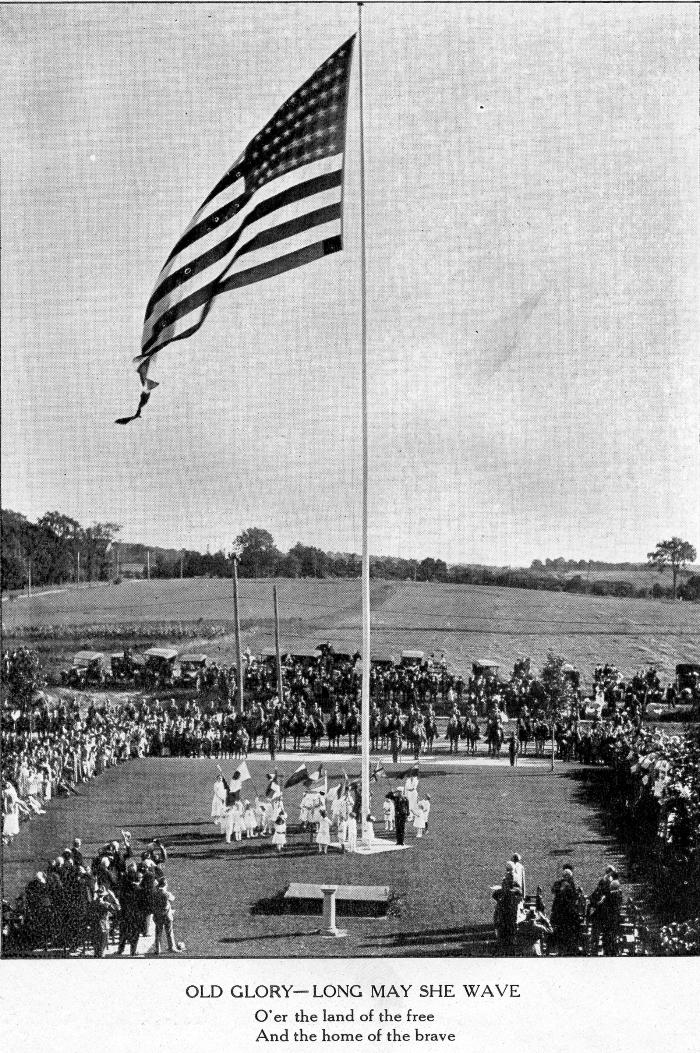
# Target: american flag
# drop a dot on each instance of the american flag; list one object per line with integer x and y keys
{"x": 278, "y": 206}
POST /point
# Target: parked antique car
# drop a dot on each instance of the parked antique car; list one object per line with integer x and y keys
{"x": 159, "y": 667}
{"x": 89, "y": 668}
{"x": 191, "y": 665}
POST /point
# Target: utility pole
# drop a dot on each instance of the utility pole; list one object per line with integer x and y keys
{"x": 277, "y": 648}
{"x": 239, "y": 652}
{"x": 29, "y": 580}
{"x": 182, "y": 557}
{"x": 78, "y": 568}
{"x": 148, "y": 563}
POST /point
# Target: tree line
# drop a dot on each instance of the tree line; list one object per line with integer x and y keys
{"x": 57, "y": 549}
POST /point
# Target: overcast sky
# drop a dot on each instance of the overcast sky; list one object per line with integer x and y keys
{"x": 532, "y": 231}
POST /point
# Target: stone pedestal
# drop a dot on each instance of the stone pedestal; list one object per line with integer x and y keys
{"x": 329, "y": 926}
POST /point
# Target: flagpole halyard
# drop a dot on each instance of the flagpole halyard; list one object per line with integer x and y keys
{"x": 365, "y": 461}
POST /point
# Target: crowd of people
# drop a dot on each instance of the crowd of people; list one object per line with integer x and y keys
{"x": 75, "y": 907}
{"x": 325, "y": 812}
{"x": 55, "y": 743}
{"x": 577, "y": 924}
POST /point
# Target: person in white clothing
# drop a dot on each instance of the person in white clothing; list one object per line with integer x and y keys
{"x": 351, "y": 833}
{"x": 411, "y": 792}
{"x": 218, "y": 804}
{"x": 519, "y": 872}
{"x": 249, "y": 820}
{"x": 323, "y": 832}
{"x": 420, "y": 817}
{"x": 238, "y": 822}
{"x": 306, "y": 809}
{"x": 388, "y": 809}
{"x": 279, "y": 838}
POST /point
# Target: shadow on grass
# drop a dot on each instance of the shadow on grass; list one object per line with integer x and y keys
{"x": 233, "y": 852}
{"x": 467, "y": 940}
{"x": 269, "y": 936}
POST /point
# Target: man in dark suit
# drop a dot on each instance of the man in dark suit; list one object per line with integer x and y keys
{"x": 402, "y": 812}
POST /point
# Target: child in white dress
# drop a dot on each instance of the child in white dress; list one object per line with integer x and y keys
{"x": 388, "y": 809}
{"x": 351, "y": 834}
{"x": 420, "y": 817}
{"x": 249, "y": 821}
{"x": 323, "y": 833}
{"x": 279, "y": 838}
{"x": 238, "y": 824}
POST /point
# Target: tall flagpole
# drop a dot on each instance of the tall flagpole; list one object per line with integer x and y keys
{"x": 365, "y": 459}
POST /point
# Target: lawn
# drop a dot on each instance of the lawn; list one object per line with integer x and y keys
{"x": 480, "y": 815}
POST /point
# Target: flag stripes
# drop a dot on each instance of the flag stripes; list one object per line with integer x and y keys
{"x": 278, "y": 207}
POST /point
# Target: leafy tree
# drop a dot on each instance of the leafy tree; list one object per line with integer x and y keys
{"x": 97, "y": 540}
{"x": 22, "y": 677}
{"x": 559, "y": 691}
{"x": 675, "y": 554}
{"x": 257, "y": 554}
{"x": 63, "y": 537}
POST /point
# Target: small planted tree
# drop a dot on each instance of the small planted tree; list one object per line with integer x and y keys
{"x": 675, "y": 554}
{"x": 559, "y": 691}
{"x": 21, "y": 677}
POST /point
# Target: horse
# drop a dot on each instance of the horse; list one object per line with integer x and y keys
{"x": 471, "y": 734}
{"x": 352, "y": 727}
{"x": 454, "y": 730}
{"x": 298, "y": 729}
{"x": 240, "y": 743}
{"x": 334, "y": 729}
{"x": 541, "y": 736}
{"x": 416, "y": 736}
{"x": 431, "y": 731}
{"x": 315, "y": 729}
{"x": 524, "y": 733}
{"x": 494, "y": 737}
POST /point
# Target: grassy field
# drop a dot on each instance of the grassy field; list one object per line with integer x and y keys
{"x": 480, "y": 815}
{"x": 467, "y": 622}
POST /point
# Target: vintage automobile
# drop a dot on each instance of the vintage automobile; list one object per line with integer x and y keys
{"x": 88, "y": 669}
{"x": 159, "y": 666}
{"x": 412, "y": 658}
{"x": 486, "y": 667}
{"x": 191, "y": 665}
{"x": 125, "y": 668}
{"x": 687, "y": 676}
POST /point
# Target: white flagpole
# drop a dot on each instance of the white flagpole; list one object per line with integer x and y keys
{"x": 365, "y": 458}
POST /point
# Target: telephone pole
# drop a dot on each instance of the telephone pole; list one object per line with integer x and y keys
{"x": 277, "y": 648}
{"x": 239, "y": 653}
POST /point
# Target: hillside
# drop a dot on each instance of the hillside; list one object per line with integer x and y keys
{"x": 467, "y": 622}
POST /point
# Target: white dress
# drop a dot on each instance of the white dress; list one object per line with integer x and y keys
{"x": 323, "y": 834}
{"x": 411, "y": 791}
{"x": 280, "y": 835}
{"x": 420, "y": 817}
{"x": 218, "y": 804}
{"x": 351, "y": 835}
{"x": 10, "y": 822}
{"x": 306, "y": 808}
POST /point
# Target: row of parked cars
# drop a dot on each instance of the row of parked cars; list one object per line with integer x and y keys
{"x": 158, "y": 665}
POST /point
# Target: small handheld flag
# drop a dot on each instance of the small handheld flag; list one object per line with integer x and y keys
{"x": 278, "y": 207}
